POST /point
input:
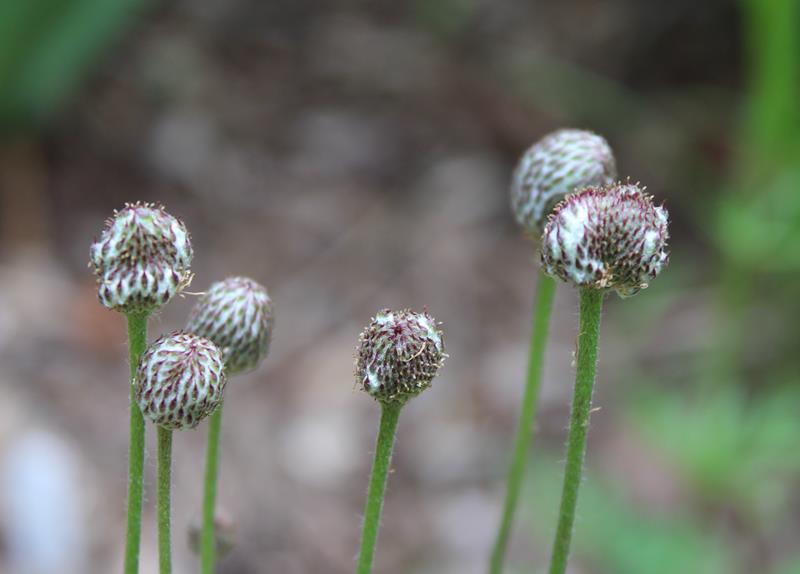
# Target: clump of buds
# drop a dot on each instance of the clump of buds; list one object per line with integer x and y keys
{"x": 398, "y": 355}
{"x": 180, "y": 380}
{"x": 142, "y": 258}
{"x": 607, "y": 237}
{"x": 236, "y": 314}
{"x": 562, "y": 162}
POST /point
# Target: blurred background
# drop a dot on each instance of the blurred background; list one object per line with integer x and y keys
{"x": 356, "y": 155}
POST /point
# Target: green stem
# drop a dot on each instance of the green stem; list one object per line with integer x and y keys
{"x": 163, "y": 503}
{"x": 590, "y": 307}
{"x": 377, "y": 485}
{"x": 542, "y": 310}
{"x": 208, "y": 543}
{"x": 137, "y": 341}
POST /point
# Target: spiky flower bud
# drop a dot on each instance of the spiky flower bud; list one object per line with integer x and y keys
{"x": 398, "y": 355}
{"x": 560, "y": 163}
{"x": 180, "y": 380}
{"x": 236, "y": 314}
{"x": 607, "y": 237}
{"x": 142, "y": 258}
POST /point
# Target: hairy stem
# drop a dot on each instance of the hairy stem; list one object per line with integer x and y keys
{"x": 137, "y": 341}
{"x": 377, "y": 486}
{"x": 591, "y": 302}
{"x": 542, "y": 310}
{"x": 208, "y": 541}
{"x": 163, "y": 503}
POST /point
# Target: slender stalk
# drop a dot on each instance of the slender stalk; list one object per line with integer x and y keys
{"x": 208, "y": 541}
{"x": 542, "y": 311}
{"x": 137, "y": 341}
{"x": 163, "y": 503}
{"x": 591, "y": 302}
{"x": 377, "y": 485}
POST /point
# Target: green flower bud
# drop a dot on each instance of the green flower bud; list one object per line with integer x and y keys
{"x": 236, "y": 314}
{"x": 607, "y": 237}
{"x": 180, "y": 380}
{"x": 399, "y": 354}
{"x": 560, "y": 163}
{"x": 142, "y": 258}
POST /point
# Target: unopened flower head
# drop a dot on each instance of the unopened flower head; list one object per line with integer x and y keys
{"x": 180, "y": 380}
{"x": 560, "y": 163}
{"x": 607, "y": 237}
{"x": 224, "y": 533}
{"x": 236, "y": 314}
{"x": 142, "y": 258}
{"x": 399, "y": 354}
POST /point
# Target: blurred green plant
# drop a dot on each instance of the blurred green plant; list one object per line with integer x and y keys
{"x": 757, "y": 220}
{"x": 771, "y": 133}
{"x": 759, "y": 223}
{"x": 444, "y": 19}
{"x": 617, "y": 536}
{"x": 730, "y": 447}
{"x": 46, "y": 47}
{"x": 790, "y": 567}
{"x": 733, "y": 451}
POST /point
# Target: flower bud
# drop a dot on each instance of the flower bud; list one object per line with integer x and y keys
{"x": 224, "y": 534}
{"x": 236, "y": 314}
{"x": 560, "y": 163}
{"x": 399, "y": 354}
{"x": 607, "y": 237}
{"x": 142, "y": 258}
{"x": 180, "y": 380}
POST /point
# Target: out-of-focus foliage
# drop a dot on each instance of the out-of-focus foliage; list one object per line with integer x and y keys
{"x": 790, "y": 567}
{"x": 45, "y": 47}
{"x": 772, "y": 115}
{"x": 614, "y": 535}
{"x": 759, "y": 229}
{"x": 758, "y": 225}
{"x": 731, "y": 448}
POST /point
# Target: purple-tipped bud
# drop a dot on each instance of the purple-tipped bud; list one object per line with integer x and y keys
{"x": 180, "y": 380}
{"x": 607, "y": 237}
{"x": 398, "y": 355}
{"x": 560, "y": 163}
{"x": 142, "y": 258}
{"x": 236, "y": 314}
